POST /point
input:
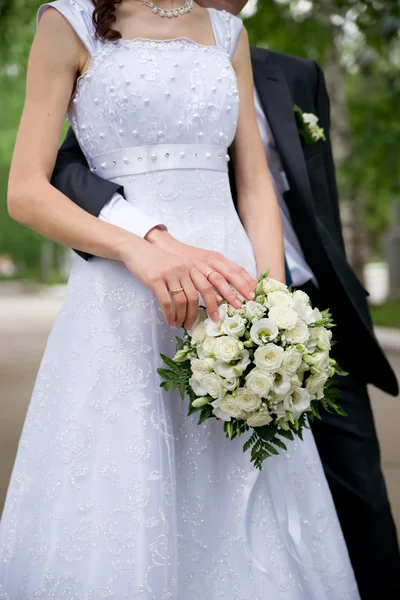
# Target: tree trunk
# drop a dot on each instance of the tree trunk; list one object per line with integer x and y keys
{"x": 352, "y": 205}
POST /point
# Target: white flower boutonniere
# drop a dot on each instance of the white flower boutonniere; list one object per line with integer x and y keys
{"x": 307, "y": 126}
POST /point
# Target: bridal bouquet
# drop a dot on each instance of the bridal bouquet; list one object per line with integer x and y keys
{"x": 262, "y": 369}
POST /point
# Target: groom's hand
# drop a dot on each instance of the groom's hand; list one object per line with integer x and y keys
{"x": 220, "y": 272}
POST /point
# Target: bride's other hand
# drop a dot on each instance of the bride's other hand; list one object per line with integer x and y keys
{"x": 175, "y": 281}
{"x": 218, "y": 270}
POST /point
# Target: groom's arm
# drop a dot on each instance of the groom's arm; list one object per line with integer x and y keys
{"x": 97, "y": 196}
{"x": 323, "y": 112}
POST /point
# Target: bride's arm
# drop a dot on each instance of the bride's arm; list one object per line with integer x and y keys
{"x": 257, "y": 204}
{"x": 57, "y": 56}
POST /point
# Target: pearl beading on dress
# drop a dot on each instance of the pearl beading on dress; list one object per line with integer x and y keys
{"x": 160, "y": 157}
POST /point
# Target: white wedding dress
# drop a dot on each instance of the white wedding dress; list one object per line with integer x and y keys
{"x": 116, "y": 493}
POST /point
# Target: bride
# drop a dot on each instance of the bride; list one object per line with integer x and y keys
{"x": 116, "y": 493}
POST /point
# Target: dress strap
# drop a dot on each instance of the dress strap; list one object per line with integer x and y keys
{"x": 79, "y": 14}
{"x": 227, "y": 29}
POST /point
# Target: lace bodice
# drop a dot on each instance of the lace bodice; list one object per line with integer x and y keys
{"x": 144, "y": 92}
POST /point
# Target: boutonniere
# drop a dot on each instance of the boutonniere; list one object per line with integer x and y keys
{"x": 307, "y": 126}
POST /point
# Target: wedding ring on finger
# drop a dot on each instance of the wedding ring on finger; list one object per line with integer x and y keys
{"x": 209, "y": 273}
{"x": 175, "y": 292}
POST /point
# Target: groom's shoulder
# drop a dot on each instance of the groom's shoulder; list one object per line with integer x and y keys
{"x": 288, "y": 63}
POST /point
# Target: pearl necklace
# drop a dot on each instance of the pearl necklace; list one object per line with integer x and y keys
{"x": 175, "y": 12}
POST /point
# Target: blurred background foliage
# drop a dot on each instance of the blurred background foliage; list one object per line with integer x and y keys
{"x": 358, "y": 44}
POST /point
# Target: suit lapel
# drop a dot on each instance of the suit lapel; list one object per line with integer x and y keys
{"x": 276, "y": 100}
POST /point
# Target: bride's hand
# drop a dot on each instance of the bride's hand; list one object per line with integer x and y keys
{"x": 165, "y": 273}
{"x": 220, "y": 272}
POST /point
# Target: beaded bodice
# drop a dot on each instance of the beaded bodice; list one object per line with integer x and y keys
{"x": 140, "y": 93}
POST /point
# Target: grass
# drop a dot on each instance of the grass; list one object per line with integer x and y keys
{"x": 387, "y": 315}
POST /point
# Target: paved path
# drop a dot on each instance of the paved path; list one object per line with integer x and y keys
{"x": 24, "y": 325}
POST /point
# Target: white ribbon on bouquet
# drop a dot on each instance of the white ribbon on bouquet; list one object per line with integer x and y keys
{"x": 288, "y": 516}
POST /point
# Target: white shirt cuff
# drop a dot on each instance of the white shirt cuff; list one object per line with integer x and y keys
{"x": 120, "y": 213}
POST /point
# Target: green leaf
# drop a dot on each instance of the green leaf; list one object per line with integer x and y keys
{"x": 339, "y": 410}
{"x": 206, "y": 413}
{"x": 166, "y": 385}
{"x": 315, "y": 410}
{"x": 250, "y": 442}
{"x": 340, "y": 371}
{"x": 326, "y": 406}
{"x": 279, "y": 443}
{"x": 268, "y": 432}
{"x": 167, "y": 374}
{"x": 270, "y": 448}
{"x": 180, "y": 343}
{"x": 171, "y": 364}
{"x": 286, "y": 433}
{"x": 182, "y": 387}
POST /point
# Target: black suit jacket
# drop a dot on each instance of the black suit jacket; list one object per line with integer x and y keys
{"x": 283, "y": 81}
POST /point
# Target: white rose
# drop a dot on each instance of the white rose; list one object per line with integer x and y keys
{"x": 230, "y": 384}
{"x": 213, "y": 385}
{"x": 247, "y": 401}
{"x": 200, "y": 353}
{"x": 254, "y": 310}
{"x": 201, "y": 317}
{"x": 200, "y": 368}
{"x": 259, "y": 419}
{"x": 219, "y": 412}
{"x": 295, "y": 381}
{"x": 282, "y": 383}
{"x": 316, "y": 315}
{"x": 232, "y": 370}
{"x": 215, "y": 329}
{"x": 304, "y": 311}
{"x": 234, "y": 326}
{"x": 291, "y": 360}
{"x": 259, "y": 382}
{"x": 284, "y": 316}
{"x": 310, "y": 119}
{"x": 269, "y": 357}
{"x": 299, "y": 334}
{"x": 231, "y": 407}
{"x": 311, "y": 345}
{"x": 271, "y": 285}
{"x": 322, "y": 337}
{"x": 224, "y": 369}
{"x": 244, "y": 361}
{"x": 298, "y": 402}
{"x": 265, "y": 330}
{"x": 197, "y": 387}
{"x": 300, "y": 296}
{"x": 198, "y": 334}
{"x": 209, "y": 347}
{"x": 227, "y": 348}
{"x": 316, "y": 383}
{"x": 319, "y": 360}
{"x": 279, "y": 299}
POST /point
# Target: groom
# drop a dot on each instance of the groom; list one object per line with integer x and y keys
{"x": 304, "y": 180}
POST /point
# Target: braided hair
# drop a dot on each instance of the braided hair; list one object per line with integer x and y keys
{"x": 104, "y": 18}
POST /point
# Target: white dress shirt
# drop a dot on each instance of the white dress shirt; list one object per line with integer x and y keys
{"x": 118, "y": 212}
{"x": 299, "y": 269}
